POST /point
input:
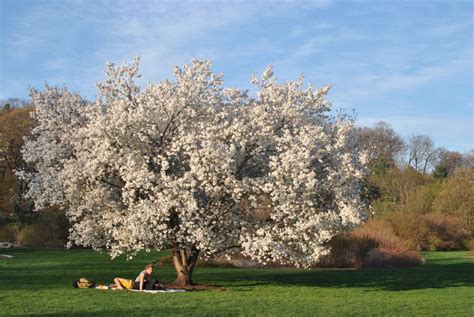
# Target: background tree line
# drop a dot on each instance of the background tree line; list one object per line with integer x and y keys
{"x": 18, "y": 222}
{"x": 421, "y": 197}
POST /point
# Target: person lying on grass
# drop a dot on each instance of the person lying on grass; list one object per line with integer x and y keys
{"x": 142, "y": 282}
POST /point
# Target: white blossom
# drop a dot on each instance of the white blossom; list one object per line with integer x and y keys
{"x": 186, "y": 162}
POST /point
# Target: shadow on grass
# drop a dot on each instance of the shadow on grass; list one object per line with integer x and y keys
{"x": 432, "y": 276}
{"x": 437, "y": 273}
{"x": 426, "y": 276}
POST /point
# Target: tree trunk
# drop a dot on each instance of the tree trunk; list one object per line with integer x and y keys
{"x": 183, "y": 279}
{"x": 359, "y": 262}
{"x": 184, "y": 261}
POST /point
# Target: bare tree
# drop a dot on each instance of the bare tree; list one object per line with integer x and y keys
{"x": 468, "y": 159}
{"x": 381, "y": 142}
{"x": 422, "y": 153}
{"x": 13, "y": 103}
{"x": 448, "y": 162}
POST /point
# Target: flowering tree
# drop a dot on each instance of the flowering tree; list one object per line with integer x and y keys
{"x": 194, "y": 167}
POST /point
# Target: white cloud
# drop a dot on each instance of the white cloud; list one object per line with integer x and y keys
{"x": 366, "y": 65}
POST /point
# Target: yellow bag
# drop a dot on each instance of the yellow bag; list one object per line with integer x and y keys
{"x": 83, "y": 283}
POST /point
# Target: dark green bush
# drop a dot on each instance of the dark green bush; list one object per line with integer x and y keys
{"x": 6, "y": 233}
{"x": 48, "y": 230}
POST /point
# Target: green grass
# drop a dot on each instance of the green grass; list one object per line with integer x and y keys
{"x": 38, "y": 282}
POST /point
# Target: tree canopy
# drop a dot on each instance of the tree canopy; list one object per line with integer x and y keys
{"x": 190, "y": 165}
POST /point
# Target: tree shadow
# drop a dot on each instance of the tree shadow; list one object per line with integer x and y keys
{"x": 437, "y": 273}
{"x": 401, "y": 279}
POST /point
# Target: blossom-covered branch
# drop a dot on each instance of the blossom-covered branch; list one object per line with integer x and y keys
{"x": 190, "y": 165}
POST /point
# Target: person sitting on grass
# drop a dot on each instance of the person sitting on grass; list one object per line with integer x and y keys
{"x": 142, "y": 282}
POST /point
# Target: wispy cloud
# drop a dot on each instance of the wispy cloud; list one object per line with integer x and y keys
{"x": 363, "y": 67}
{"x": 385, "y": 59}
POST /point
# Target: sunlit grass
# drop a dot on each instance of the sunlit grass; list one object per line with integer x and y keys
{"x": 38, "y": 282}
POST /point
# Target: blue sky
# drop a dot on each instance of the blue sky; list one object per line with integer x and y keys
{"x": 409, "y": 63}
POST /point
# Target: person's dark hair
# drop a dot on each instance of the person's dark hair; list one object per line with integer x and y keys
{"x": 74, "y": 284}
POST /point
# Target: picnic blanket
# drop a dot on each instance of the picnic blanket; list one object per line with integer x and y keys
{"x": 166, "y": 290}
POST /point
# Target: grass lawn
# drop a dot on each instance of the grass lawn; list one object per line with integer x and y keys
{"x": 38, "y": 282}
